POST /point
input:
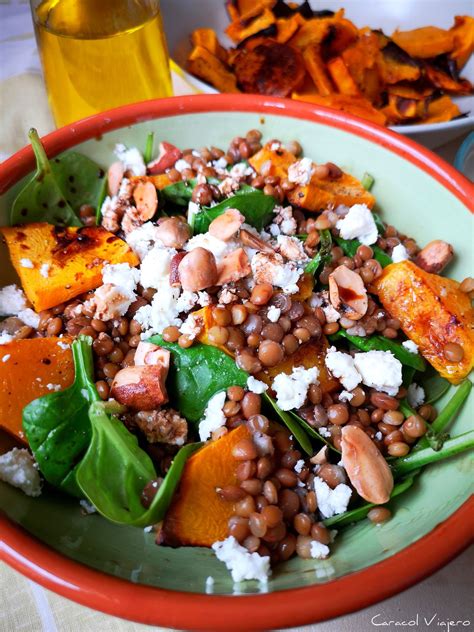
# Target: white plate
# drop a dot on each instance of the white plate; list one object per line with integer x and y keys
{"x": 181, "y": 17}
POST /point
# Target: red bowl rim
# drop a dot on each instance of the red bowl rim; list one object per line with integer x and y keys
{"x": 157, "y": 606}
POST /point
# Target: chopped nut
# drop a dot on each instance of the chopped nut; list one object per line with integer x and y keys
{"x": 226, "y": 225}
{"x": 140, "y": 387}
{"x": 435, "y": 256}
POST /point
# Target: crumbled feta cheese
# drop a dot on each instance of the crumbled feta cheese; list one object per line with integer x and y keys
{"x": 318, "y": 550}
{"x": 5, "y": 338}
{"x": 110, "y": 302}
{"x": 131, "y": 159}
{"x": 342, "y": 366}
{"x": 220, "y": 163}
{"x": 181, "y": 165}
{"x": 213, "y": 418}
{"x": 18, "y": 468}
{"x": 148, "y": 529}
{"x": 123, "y": 276}
{"x": 63, "y": 345}
{"x": 191, "y": 327}
{"x": 345, "y": 396}
{"x": 44, "y": 270}
{"x": 6, "y": 357}
{"x": 155, "y": 268}
{"x": 186, "y": 301}
{"x": 143, "y": 239}
{"x": 29, "y": 317}
{"x": 242, "y": 564}
{"x": 410, "y": 346}
{"x": 399, "y": 253}
{"x": 218, "y": 247}
{"x": 274, "y": 230}
{"x": 256, "y": 386}
{"x": 380, "y": 370}
{"x": 87, "y": 507}
{"x": 204, "y": 299}
{"x": 273, "y": 313}
{"x": 241, "y": 170}
{"x": 275, "y": 146}
{"x": 26, "y": 263}
{"x": 301, "y": 171}
{"x": 321, "y": 299}
{"x": 379, "y": 436}
{"x": 358, "y": 224}
{"x": 209, "y": 585}
{"x": 270, "y": 268}
{"x": 299, "y": 465}
{"x": 415, "y": 395}
{"x": 331, "y": 501}
{"x": 161, "y": 313}
{"x": 12, "y": 300}
{"x": 357, "y": 330}
{"x": 324, "y": 432}
{"x": 291, "y": 390}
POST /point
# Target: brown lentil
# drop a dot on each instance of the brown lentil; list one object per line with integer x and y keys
{"x": 377, "y": 515}
{"x": 398, "y": 448}
{"x": 453, "y": 352}
{"x": 244, "y": 450}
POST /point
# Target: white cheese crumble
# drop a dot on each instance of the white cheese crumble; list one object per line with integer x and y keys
{"x": 18, "y": 468}
{"x": 29, "y": 317}
{"x": 270, "y": 268}
{"x": 242, "y": 564}
{"x": 321, "y": 299}
{"x": 324, "y": 432}
{"x": 181, "y": 165}
{"x": 331, "y": 502}
{"x": 410, "y": 346}
{"x": 415, "y": 395}
{"x": 143, "y": 239}
{"x": 63, "y": 345}
{"x": 131, "y": 159}
{"x": 342, "y": 366}
{"x": 87, "y": 507}
{"x": 299, "y": 465}
{"x": 6, "y": 357}
{"x": 213, "y": 418}
{"x": 161, "y": 313}
{"x": 380, "y": 370}
{"x": 191, "y": 327}
{"x": 291, "y": 390}
{"x": 345, "y": 396}
{"x": 5, "y": 338}
{"x": 209, "y": 585}
{"x": 12, "y": 300}
{"x": 123, "y": 276}
{"x": 273, "y": 313}
{"x": 27, "y": 263}
{"x": 44, "y": 270}
{"x": 358, "y": 224}
{"x": 319, "y": 551}
{"x": 291, "y": 248}
{"x": 256, "y": 386}
{"x": 155, "y": 268}
{"x": 399, "y": 253}
{"x": 301, "y": 171}
{"x": 215, "y": 245}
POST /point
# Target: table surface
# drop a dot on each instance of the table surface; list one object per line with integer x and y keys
{"x": 28, "y": 607}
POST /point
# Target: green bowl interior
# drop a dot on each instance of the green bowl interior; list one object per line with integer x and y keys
{"x": 407, "y": 197}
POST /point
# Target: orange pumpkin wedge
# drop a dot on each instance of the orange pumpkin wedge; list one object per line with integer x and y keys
{"x": 56, "y": 264}
{"x": 198, "y": 516}
{"x": 31, "y": 368}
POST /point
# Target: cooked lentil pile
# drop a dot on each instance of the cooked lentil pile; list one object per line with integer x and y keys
{"x": 278, "y": 263}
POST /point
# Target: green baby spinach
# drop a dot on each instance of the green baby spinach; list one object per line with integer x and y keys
{"x": 293, "y": 426}
{"x": 114, "y": 471}
{"x": 57, "y": 425}
{"x": 178, "y": 193}
{"x": 59, "y": 188}
{"x": 435, "y": 387}
{"x": 323, "y": 255}
{"x": 380, "y": 343}
{"x": 255, "y": 206}
{"x": 349, "y": 247}
{"x": 197, "y": 374}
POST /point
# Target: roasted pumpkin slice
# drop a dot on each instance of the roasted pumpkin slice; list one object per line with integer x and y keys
{"x": 31, "y": 368}
{"x": 433, "y": 312}
{"x": 209, "y": 68}
{"x": 425, "y": 42}
{"x": 56, "y": 264}
{"x": 463, "y": 33}
{"x": 275, "y": 157}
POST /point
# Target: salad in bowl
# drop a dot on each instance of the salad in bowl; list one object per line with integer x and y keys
{"x": 226, "y": 346}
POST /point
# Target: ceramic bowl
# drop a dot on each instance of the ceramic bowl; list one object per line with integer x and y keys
{"x": 120, "y": 570}
{"x": 388, "y": 15}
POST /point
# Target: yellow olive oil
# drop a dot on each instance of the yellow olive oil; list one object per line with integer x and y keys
{"x": 99, "y": 54}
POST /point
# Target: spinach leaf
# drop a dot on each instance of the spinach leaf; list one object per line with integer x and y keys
{"x": 435, "y": 387}
{"x": 408, "y": 374}
{"x": 197, "y": 374}
{"x": 178, "y": 193}
{"x": 323, "y": 255}
{"x": 349, "y": 247}
{"x": 59, "y": 188}
{"x": 256, "y": 207}
{"x": 148, "y": 153}
{"x": 359, "y": 513}
{"x": 292, "y": 425}
{"x": 379, "y": 223}
{"x": 57, "y": 425}
{"x": 379, "y": 343}
{"x": 42, "y": 200}
{"x": 367, "y": 181}
{"x": 115, "y": 470}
